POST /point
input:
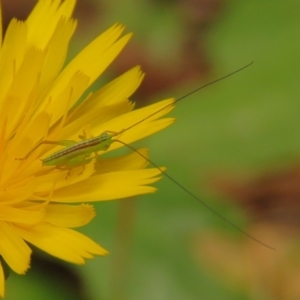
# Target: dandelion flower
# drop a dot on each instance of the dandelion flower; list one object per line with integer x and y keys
{"x": 40, "y": 205}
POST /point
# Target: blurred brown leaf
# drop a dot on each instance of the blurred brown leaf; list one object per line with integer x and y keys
{"x": 272, "y": 197}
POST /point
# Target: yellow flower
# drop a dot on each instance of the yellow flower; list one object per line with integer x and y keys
{"x": 39, "y": 101}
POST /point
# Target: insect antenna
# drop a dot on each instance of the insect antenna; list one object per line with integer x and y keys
{"x": 194, "y": 196}
{"x": 187, "y": 95}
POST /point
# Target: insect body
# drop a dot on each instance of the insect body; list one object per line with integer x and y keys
{"x": 78, "y": 153}
{"x": 75, "y": 153}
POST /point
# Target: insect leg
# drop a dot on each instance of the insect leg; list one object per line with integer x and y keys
{"x": 75, "y": 162}
{"x": 86, "y": 134}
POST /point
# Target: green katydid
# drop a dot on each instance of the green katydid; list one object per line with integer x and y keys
{"x": 75, "y": 153}
{"x": 80, "y": 153}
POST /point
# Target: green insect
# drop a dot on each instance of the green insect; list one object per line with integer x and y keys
{"x": 80, "y": 153}
{"x": 77, "y": 153}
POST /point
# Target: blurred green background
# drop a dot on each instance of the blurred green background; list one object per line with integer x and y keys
{"x": 244, "y": 126}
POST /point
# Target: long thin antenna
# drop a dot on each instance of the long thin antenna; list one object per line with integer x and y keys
{"x": 187, "y": 95}
{"x": 195, "y": 197}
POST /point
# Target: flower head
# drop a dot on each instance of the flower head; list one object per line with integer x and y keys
{"x": 39, "y": 101}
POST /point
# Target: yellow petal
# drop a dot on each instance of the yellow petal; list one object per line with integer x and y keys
{"x": 106, "y": 47}
{"x": 131, "y": 161}
{"x": 22, "y": 144}
{"x": 13, "y": 249}
{"x": 109, "y": 186}
{"x": 17, "y": 194}
{"x": 92, "y": 119}
{"x": 144, "y": 120}
{"x": 44, "y": 18}
{"x": 12, "y": 54}
{"x": 112, "y": 93}
{"x": 45, "y": 183}
{"x": 69, "y": 93}
{"x": 58, "y": 179}
{"x": 69, "y": 215}
{"x": 60, "y": 242}
{"x": 55, "y": 56}
{"x": 32, "y": 133}
{"x": 109, "y": 102}
{"x": 20, "y": 215}
{"x": 18, "y": 94}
